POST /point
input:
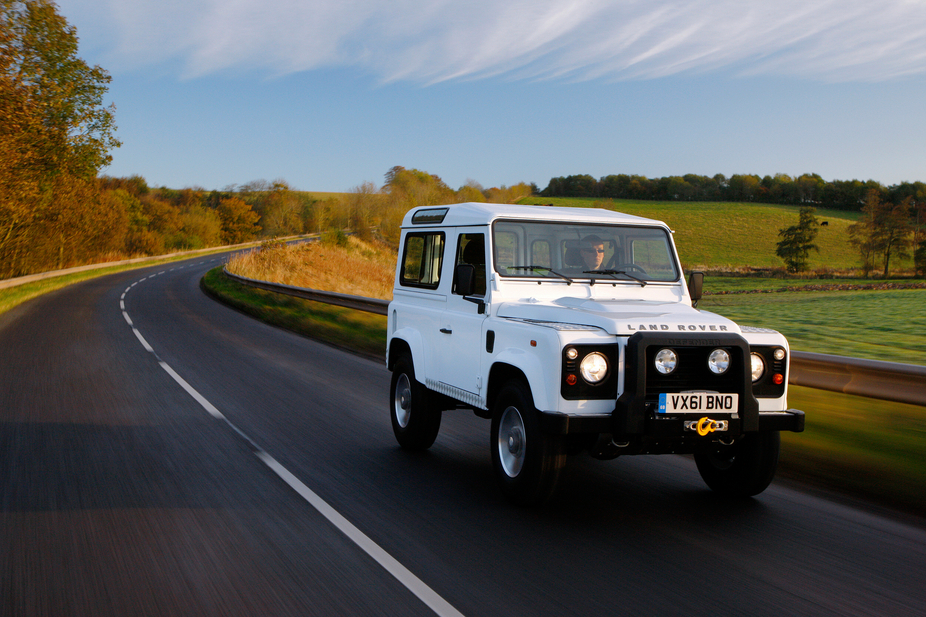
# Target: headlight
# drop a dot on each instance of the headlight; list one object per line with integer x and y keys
{"x": 594, "y": 367}
{"x": 719, "y": 361}
{"x": 666, "y": 361}
{"x": 779, "y": 354}
{"x": 758, "y": 367}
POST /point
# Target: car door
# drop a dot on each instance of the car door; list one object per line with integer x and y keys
{"x": 461, "y": 334}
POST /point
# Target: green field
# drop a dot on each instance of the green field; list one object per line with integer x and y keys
{"x": 735, "y": 236}
{"x": 877, "y": 325}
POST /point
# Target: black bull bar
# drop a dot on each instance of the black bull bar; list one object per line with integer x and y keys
{"x": 633, "y": 414}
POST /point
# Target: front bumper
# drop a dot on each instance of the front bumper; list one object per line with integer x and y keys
{"x": 635, "y": 419}
{"x": 556, "y": 423}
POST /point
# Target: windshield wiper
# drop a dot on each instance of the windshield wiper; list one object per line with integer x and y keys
{"x": 536, "y": 268}
{"x": 616, "y": 272}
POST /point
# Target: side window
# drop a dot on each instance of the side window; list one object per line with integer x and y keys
{"x": 471, "y": 249}
{"x": 422, "y": 259}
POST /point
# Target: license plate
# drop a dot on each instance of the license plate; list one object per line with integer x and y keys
{"x": 698, "y": 402}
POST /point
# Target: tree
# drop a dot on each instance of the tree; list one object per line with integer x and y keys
{"x": 882, "y": 232}
{"x": 744, "y": 187}
{"x": 414, "y": 188}
{"x": 239, "y": 221}
{"x": 895, "y": 232}
{"x": 362, "y": 201}
{"x": 471, "y": 191}
{"x": 281, "y": 210}
{"x": 54, "y": 138}
{"x": 41, "y": 56}
{"x": 919, "y": 258}
{"x": 797, "y": 241}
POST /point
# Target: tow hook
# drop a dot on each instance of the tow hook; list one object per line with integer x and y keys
{"x": 705, "y": 426}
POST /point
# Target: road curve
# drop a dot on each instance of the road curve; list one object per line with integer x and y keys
{"x": 161, "y": 454}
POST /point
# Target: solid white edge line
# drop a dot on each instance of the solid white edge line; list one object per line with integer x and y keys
{"x": 414, "y": 584}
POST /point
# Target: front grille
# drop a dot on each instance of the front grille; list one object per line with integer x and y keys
{"x": 692, "y": 372}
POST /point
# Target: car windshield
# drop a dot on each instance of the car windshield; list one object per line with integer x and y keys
{"x": 547, "y": 250}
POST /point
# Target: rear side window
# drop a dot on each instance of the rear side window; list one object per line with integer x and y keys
{"x": 422, "y": 259}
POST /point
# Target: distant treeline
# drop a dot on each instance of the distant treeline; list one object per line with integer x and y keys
{"x": 778, "y": 189}
{"x": 115, "y": 218}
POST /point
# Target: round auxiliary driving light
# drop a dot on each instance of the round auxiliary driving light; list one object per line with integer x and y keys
{"x": 719, "y": 361}
{"x": 666, "y": 361}
{"x": 758, "y": 367}
{"x": 779, "y": 354}
{"x": 594, "y": 367}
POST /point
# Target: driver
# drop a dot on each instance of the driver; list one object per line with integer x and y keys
{"x": 592, "y": 252}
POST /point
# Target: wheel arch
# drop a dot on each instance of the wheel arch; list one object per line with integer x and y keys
{"x": 501, "y": 374}
{"x": 407, "y": 341}
{"x": 526, "y": 367}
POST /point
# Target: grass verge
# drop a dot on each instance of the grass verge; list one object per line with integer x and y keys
{"x": 356, "y": 331}
{"x": 859, "y": 446}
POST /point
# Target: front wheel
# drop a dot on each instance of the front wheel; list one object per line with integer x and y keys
{"x": 415, "y": 420}
{"x": 743, "y": 469}
{"x": 527, "y": 462}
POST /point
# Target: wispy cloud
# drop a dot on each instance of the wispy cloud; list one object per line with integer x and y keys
{"x": 429, "y": 41}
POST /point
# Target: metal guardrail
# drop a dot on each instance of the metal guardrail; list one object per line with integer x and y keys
{"x": 370, "y": 305}
{"x": 889, "y": 381}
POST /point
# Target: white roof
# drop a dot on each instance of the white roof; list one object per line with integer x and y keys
{"x": 473, "y": 213}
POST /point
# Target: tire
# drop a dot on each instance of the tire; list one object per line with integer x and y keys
{"x": 527, "y": 462}
{"x": 415, "y": 420}
{"x": 744, "y": 469}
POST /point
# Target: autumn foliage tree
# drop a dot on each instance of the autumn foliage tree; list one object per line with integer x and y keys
{"x": 55, "y": 136}
{"x": 883, "y": 232}
{"x": 239, "y": 221}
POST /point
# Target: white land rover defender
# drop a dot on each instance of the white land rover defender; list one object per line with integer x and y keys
{"x": 572, "y": 329}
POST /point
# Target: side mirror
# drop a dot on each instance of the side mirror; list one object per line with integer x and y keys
{"x": 464, "y": 280}
{"x": 464, "y": 284}
{"x": 695, "y": 287}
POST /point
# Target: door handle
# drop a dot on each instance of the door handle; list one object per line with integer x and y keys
{"x": 446, "y": 330}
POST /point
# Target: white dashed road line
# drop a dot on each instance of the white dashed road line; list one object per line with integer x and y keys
{"x": 414, "y": 584}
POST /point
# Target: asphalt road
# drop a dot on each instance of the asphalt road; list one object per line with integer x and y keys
{"x": 236, "y": 469}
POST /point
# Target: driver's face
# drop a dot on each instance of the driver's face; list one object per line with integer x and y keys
{"x": 593, "y": 256}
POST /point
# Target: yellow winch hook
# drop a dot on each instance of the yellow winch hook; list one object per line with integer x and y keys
{"x": 705, "y": 426}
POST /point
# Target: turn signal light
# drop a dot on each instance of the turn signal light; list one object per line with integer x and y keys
{"x": 571, "y": 380}
{"x": 778, "y": 379}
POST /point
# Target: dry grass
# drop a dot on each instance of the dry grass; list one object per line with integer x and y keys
{"x": 352, "y": 267}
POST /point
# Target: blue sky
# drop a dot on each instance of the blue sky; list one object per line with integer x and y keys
{"x": 328, "y": 94}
